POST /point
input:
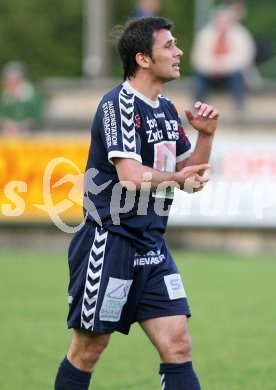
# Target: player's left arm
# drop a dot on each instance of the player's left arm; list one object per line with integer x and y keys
{"x": 205, "y": 121}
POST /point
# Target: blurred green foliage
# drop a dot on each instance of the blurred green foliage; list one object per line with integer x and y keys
{"x": 47, "y": 35}
{"x": 260, "y": 21}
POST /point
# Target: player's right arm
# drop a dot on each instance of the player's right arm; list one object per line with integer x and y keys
{"x": 132, "y": 174}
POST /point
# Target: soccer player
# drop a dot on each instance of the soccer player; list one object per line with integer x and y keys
{"x": 121, "y": 270}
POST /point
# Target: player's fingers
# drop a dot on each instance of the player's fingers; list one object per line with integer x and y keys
{"x": 192, "y": 185}
{"x": 198, "y": 189}
{"x": 198, "y": 168}
{"x": 208, "y": 173}
{"x": 214, "y": 114}
{"x": 197, "y": 104}
{"x": 206, "y": 110}
{"x": 188, "y": 114}
{"x": 210, "y": 112}
{"x": 202, "y": 108}
{"x": 202, "y": 179}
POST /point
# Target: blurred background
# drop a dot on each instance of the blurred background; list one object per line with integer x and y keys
{"x": 58, "y": 59}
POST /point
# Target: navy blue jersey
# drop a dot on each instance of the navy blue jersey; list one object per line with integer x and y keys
{"x": 129, "y": 125}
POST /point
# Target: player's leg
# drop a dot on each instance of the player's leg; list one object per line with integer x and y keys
{"x": 162, "y": 312}
{"x": 75, "y": 370}
{"x": 86, "y": 348}
{"x": 101, "y": 274}
{"x": 171, "y": 337}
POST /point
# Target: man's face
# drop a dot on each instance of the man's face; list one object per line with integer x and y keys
{"x": 165, "y": 61}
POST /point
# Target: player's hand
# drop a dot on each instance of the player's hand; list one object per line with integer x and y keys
{"x": 205, "y": 120}
{"x": 190, "y": 179}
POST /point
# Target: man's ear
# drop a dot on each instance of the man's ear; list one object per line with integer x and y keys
{"x": 142, "y": 60}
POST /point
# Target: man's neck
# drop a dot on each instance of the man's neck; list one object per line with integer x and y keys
{"x": 145, "y": 87}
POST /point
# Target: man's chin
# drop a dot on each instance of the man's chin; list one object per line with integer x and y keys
{"x": 174, "y": 76}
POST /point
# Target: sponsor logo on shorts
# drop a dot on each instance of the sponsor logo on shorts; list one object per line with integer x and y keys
{"x": 70, "y": 299}
{"x": 149, "y": 258}
{"x": 114, "y": 299}
{"x": 174, "y": 286}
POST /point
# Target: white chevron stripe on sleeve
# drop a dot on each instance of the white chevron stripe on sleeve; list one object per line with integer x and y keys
{"x": 128, "y": 99}
{"x": 128, "y": 110}
{"x": 130, "y": 145}
{"x": 129, "y": 124}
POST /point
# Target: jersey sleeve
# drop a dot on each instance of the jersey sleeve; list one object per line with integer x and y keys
{"x": 119, "y": 133}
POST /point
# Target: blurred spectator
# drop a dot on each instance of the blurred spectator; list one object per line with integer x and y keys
{"x": 263, "y": 47}
{"x": 20, "y": 102}
{"x": 146, "y": 8}
{"x": 238, "y": 8}
{"x": 223, "y": 51}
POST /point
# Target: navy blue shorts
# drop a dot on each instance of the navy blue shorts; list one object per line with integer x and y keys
{"x": 111, "y": 286}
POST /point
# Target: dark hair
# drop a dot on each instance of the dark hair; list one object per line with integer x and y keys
{"x": 137, "y": 37}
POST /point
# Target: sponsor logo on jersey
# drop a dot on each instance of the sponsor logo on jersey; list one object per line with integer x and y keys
{"x": 137, "y": 119}
{"x": 172, "y": 130}
{"x": 159, "y": 115}
{"x": 110, "y": 125}
{"x": 154, "y": 134}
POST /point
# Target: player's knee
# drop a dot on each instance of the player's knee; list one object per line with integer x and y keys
{"x": 93, "y": 350}
{"x": 85, "y": 353}
{"x": 177, "y": 348}
{"x": 89, "y": 357}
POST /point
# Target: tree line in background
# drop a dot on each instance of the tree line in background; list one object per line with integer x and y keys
{"x": 47, "y": 35}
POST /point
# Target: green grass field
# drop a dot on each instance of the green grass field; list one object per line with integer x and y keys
{"x": 233, "y": 325}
